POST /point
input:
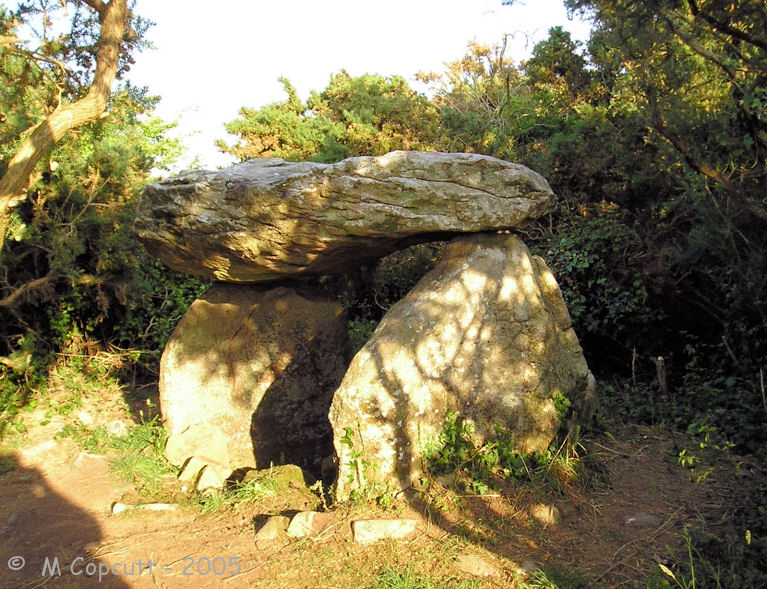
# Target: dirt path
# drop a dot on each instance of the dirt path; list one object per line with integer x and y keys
{"x": 55, "y": 513}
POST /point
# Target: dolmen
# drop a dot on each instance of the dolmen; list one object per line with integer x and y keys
{"x": 259, "y": 370}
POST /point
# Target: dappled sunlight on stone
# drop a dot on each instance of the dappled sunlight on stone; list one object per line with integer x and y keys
{"x": 509, "y": 288}
{"x": 528, "y": 285}
{"x": 220, "y": 266}
{"x": 250, "y": 247}
{"x": 259, "y": 366}
{"x": 473, "y": 281}
{"x": 476, "y": 335}
{"x": 437, "y": 351}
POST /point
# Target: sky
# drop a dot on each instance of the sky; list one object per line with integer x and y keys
{"x": 211, "y": 58}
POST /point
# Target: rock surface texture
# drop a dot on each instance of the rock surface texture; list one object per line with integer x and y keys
{"x": 257, "y": 367}
{"x": 267, "y": 219}
{"x": 486, "y": 334}
{"x": 370, "y": 531}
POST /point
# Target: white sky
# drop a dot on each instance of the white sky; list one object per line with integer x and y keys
{"x": 212, "y": 58}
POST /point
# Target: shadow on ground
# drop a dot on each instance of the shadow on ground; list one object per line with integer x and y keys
{"x": 46, "y": 540}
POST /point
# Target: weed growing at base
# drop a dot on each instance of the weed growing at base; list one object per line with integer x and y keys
{"x": 719, "y": 562}
{"x": 555, "y": 577}
{"x": 249, "y": 491}
{"x": 497, "y": 460}
{"x": 138, "y": 455}
{"x": 362, "y": 474}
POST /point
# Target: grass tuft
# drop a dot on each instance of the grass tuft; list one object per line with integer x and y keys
{"x": 391, "y": 578}
{"x": 254, "y": 489}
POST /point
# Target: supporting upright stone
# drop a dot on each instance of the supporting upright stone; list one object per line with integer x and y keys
{"x": 486, "y": 334}
{"x": 256, "y": 367}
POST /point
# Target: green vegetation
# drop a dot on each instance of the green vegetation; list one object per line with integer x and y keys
{"x": 136, "y": 457}
{"x": 555, "y": 577}
{"x": 75, "y": 284}
{"x": 241, "y": 493}
{"x": 711, "y": 562}
{"x": 363, "y": 473}
{"x": 352, "y": 116}
{"x": 497, "y": 461}
{"x": 390, "y": 578}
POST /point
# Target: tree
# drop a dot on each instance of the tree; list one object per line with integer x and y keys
{"x": 700, "y": 69}
{"x": 367, "y": 115}
{"x": 70, "y": 110}
{"x": 664, "y": 154}
{"x": 557, "y": 63}
{"x": 281, "y": 130}
{"x": 376, "y": 115}
{"x": 74, "y": 279}
{"x": 483, "y": 102}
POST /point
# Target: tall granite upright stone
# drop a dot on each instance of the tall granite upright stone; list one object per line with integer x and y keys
{"x": 253, "y": 369}
{"x": 485, "y": 334}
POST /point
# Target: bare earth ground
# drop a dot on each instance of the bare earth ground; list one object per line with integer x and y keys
{"x": 55, "y": 503}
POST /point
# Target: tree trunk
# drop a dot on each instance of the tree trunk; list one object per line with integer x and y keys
{"x": 13, "y": 185}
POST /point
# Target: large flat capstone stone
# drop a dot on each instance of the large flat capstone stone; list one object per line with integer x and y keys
{"x": 267, "y": 219}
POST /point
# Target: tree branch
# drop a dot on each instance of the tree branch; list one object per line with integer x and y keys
{"x": 721, "y": 60}
{"x": 703, "y": 168}
{"x": 698, "y": 47}
{"x": 97, "y": 5}
{"x": 25, "y": 288}
{"x": 14, "y": 183}
{"x": 726, "y": 28}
